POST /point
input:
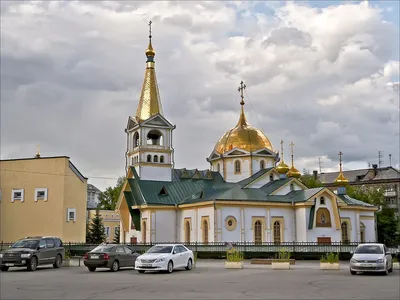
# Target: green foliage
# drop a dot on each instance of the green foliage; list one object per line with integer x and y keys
{"x": 195, "y": 256}
{"x": 96, "y": 233}
{"x": 67, "y": 254}
{"x": 310, "y": 181}
{"x": 116, "y": 237}
{"x": 282, "y": 256}
{"x": 109, "y": 198}
{"x": 395, "y": 260}
{"x": 234, "y": 256}
{"x": 330, "y": 258}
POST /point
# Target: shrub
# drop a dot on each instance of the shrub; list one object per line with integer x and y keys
{"x": 67, "y": 254}
{"x": 395, "y": 260}
{"x": 195, "y": 255}
{"x": 330, "y": 258}
{"x": 234, "y": 256}
{"x": 282, "y": 256}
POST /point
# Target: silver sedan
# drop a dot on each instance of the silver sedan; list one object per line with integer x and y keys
{"x": 371, "y": 258}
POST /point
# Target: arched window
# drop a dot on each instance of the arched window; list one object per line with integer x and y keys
{"x": 292, "y": 187}
{"x": 345, "y": 233}
{"x": 262, "y": 164}
{"x": 205, "y": 232}
{"x": 218, "y": 168}
{"x": 155, "y": 158}
{"x": 144, "y": 229}
{"x": 162, "y": 159}
{"x": 136, "y": 140}
{"x": 237, "y": 166}
{"x": 155, "y": 137}
{"x": 277, "y": 232}
{"x": 258, "y": 232}
{"x": 323, "y": 217}
{"x": 362, "y": 232}
{"x": 133, "y": 160}
{"x": 271, "y": 177}
{"x": 322, "y": 201}
{"x": 187, "y": 231}
{"x": 149, "y": 158}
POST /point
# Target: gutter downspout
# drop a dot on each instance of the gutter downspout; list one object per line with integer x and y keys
{"x": 126, "y": 153}
{"x": 294, "y": 220}
{"x": 172, "y": 155}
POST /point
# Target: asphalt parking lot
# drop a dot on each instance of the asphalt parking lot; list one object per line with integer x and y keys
{"x": 209, "y": 280}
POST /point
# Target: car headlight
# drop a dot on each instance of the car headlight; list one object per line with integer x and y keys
{"x": 25, "y": 255}
{"x": 353, "y": 260}
{"x": 380, "y": 261}
{"x": 160, "y": 259}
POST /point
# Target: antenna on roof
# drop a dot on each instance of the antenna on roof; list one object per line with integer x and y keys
{"x": 380, "y": 158}
{"x": 320, "y": 165}
{"x": 390, "y": 160}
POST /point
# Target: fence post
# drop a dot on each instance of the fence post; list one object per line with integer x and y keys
{"x": 1, "y": 249}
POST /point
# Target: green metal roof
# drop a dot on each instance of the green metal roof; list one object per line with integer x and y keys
{"x": 351, "y": 201}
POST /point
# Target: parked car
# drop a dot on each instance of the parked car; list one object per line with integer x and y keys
{"x": 32, "y": 252}
{"x": 165, "y": 258}
{"x": 110, "y": 256}
{"x": 371, "y": 257}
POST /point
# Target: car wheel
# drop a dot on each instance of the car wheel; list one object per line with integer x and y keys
{"x": 353, "y": 272}
{"x": 58, "y": 261}
{"x": 91, "y": 269}
{"x": 115, "y": 266}
{"x": 4, "y": 269}
{"x": 170, "y": 267}
{"x": 189, "y": 264}
{"x": 33, "y": 264}
{"x": 141, "y": 271}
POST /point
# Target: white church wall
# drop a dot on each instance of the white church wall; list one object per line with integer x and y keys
{"x": 145, "y": 216}
{"x": 288, "y": 219}
{"x": 369, "y": 230}
{"x": 155, "y": 173}
{"x": 235, "y": 234}
{"x": 205, "y": 212}
{"x": 249, "y": 213}
{"x": 165, "y": 224}
{"x": 351, "y": 217}
{"x": 244, "y": 169}
{"x": 301, "y": 224}
{"x": 185, "y": 214}
{"x": 256, "y": 163}
{"x": 287, "y": 189}
{"x": 263, "y": 180}
{"x": 332, "y": 232}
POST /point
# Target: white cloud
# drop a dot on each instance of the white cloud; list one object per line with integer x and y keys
{"x": 73, "y": 71}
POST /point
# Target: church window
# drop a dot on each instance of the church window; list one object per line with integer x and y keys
{"x": 323, "y": 217}
{"x": 205, "y": 232}
{"x": 133, "y": 161}
{"x": 136, "y": 140}
{"x": 271, "y": 177}
{"x": 322, "y": 201}
{"x": 237, "y": 166}
{"x": 258, "y": 232}
{"x": 262, "y": 164}
{"x": 144, "y": 229}
{"x": 362, "y": 232}
{"x": 218, "y": 168}
{"x": 149, "y": 158}
{"x": 230, "y": 223}
{"x": 345, "y": 233}
{"x": 187, "y": 231}
{"x": 155, "y": 158}
{"x": 162, "y": 159}
{"x": 292, "y": 187}
{"x": 155, "y": 137}
{"x": 277, "y": 232}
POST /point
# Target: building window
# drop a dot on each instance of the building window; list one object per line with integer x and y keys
{"x": 17, "y": 195}
{"x": 71, "y": 214}
{"x": 162, "y": 159}
{"x": 258, "y": 232}
{"x": 230, "y": 223}
{"x": 271, "y": 177}
{"x": 116, "y": 230}
{"x": 41, "y": 194}
{"x": 155, "y": 158}
{"x": 155, "y": 137}
{"x": 292, "y": 187}
{"x": 205, "y": 232}
{"x": 345, "y": 233}
{"x": 277, "y": 232}
{"x": 322, "y": 201}
{"x": 144, "y": 229}
{"x": 237, "y": 167}
{"x": 262, "y": 164}
{"x": 107, "y": 231}
{"x": 323, "y": 217}
{"x": 149, "y": 158}
{"x": 187, "y": 231}
{"x": 136, "y": 140}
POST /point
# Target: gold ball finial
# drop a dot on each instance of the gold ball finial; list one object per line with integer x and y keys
{"x": 293, "y": 172}
{"x": 37, "y": 151}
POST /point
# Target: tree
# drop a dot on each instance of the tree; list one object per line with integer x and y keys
{"x": 97, "y": 233}
{"x": 310, "y": 181}
{"x": 109, "y": 198}
{"x": 116, "y": 236}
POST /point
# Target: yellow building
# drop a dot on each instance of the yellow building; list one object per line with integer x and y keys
{"x": 111, "y": 221}
{"x": 42, "y": 196}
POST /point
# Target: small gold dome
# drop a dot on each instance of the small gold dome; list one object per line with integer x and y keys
{"x": 293, "y": 172}
{"x": 150, "y": 51}
{"x": 341, "y": 180}
{"x": 243, "y": 136}
{"x": 282, "y": 168}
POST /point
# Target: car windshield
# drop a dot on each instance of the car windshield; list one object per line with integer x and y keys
{"x": 160, "y": 249}
{"x": 369, "y": 249}
{"x": 103, "y": 249}
{"x": 31, "y": 244}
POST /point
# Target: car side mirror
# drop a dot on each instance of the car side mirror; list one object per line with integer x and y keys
{"x": 174, "y": 252}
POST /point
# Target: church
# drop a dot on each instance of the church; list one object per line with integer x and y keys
{"x": 249, "y": 194}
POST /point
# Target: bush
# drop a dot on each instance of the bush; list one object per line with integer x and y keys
{"x": 234, "y": 256}
{"x": 282, "y": 256}
{"x": 67, "y": 254}
{"x": 195, "y": 256}
{"x": 395, "y": 260}
{"x": 330, "y": 258}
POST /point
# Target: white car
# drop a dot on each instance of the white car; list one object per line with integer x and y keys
{"x": 165, "y": 257}
{"x": 371, "y": 257}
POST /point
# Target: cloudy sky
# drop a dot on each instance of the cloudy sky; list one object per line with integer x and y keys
{"x": 324, "y": 75}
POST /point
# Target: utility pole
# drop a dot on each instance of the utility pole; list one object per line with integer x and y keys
{"x": 380, "y": 158}
{"x": 320, "y": 165}
{"x": 390, "y": 160}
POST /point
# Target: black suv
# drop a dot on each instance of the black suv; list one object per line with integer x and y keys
{"x": 33, "y": 251}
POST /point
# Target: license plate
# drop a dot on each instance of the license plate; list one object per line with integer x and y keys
{"x": 146, "y": 265}
{"x": 366, "y": 265}
{"x": 94, "y": 256}
{"x": 9, "y": 265}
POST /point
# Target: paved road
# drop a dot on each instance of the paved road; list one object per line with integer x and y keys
{"x": 209, "y": 280}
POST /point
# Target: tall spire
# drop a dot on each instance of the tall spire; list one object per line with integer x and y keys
{"x": 293, "y": 172}
{"x": 341, "y": 180}
{"x": 282, "y": 168}
{"x": 150, "y": 102}
{"x": 242, "y": 119}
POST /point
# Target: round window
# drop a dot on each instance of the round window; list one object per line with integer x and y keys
{"x": 230, "y": 223}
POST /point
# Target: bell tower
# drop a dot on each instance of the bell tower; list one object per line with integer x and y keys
{"x": 149, "y": 134}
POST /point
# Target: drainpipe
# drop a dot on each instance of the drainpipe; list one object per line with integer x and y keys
{"x": 176, "y": 222}
{"x": 172, "y": 155}
{"x": 294, "y": 220}
{"x": 126, "y": 153}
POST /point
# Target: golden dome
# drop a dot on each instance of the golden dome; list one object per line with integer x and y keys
{"x": 243, "y": 136}
{"x": 293, "y": 172}
{"x": 150, "y": 51}
{"x": 282, "y": 168}
{"x": 341, "y": 180}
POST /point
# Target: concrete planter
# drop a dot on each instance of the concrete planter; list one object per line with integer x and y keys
{"x": 396, "y": 266}
{"x": 280, "y": 265}
{"x": 66, "y": 263}
{"x": 233, "y": 265}
{"x": 329, "y": 266}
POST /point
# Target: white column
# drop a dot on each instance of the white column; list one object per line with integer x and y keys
{"x": 268, "y": 225}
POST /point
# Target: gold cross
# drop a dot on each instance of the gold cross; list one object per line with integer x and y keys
{"x": 291, "y": 146}
{"x": 282, "y": 147}
{"x": 240, "y": 89}
{"x": 150, "y": 29}
{"x": 340, "y": 160}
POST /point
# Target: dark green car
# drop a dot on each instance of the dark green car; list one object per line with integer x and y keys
{"x": 110, "y": 256}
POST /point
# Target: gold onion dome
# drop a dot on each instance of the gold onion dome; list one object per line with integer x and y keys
{"x": 150, "y": 51}
{"x": 282, "y": 168}
{"x": 341, "y": 180}
{"x": 293, "y": 172}
{"x": 243, "y": 135}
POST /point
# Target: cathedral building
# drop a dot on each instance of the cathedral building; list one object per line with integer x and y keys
{"x": 249, "y": 194}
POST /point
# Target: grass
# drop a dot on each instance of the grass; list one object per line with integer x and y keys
{"x": 282, "y": 256}
{"x": 330, "y": 258}
{"x": 234, "y": 256}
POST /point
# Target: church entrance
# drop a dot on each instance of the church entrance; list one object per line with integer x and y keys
{"x": 324, "y": 240}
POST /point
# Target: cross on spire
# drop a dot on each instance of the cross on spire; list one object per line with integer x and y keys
{"x": 150, "y": 29}
{"x": 340, "y": 160}
{"x": 240, "y": 89}
{"x": 282, "y": 147}
{"x": 291, "y": 147}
